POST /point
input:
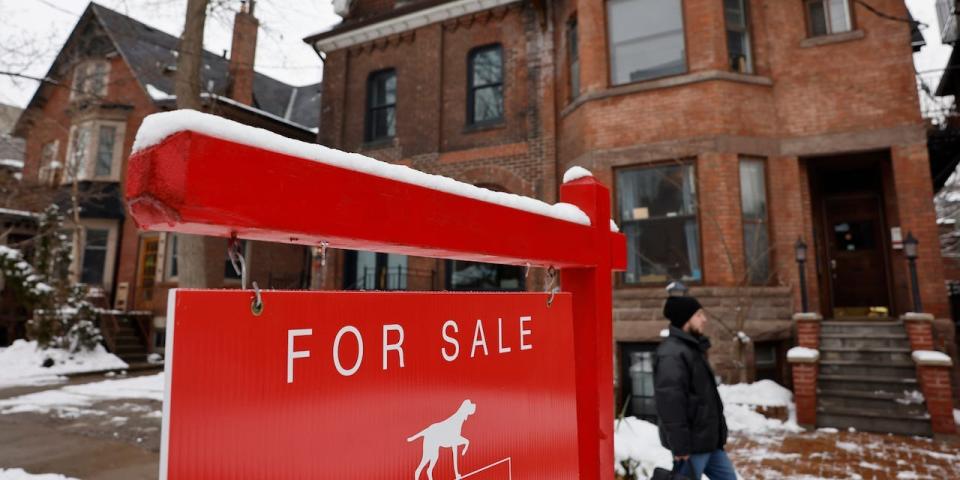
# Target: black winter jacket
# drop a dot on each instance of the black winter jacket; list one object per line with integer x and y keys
{"x": 688, "y": 404}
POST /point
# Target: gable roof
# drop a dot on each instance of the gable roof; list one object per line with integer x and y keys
{"x": 152, "y": 56}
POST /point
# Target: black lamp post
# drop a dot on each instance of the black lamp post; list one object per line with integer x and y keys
{"x": 910, "y": 250}
{"x": 800, "y": 250}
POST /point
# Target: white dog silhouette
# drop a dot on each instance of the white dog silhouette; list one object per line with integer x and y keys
{"x": 444, "y": 434}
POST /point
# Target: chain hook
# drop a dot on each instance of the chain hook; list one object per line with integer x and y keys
{"x": 551, "y": 286}
{"x": 236, "y": 259}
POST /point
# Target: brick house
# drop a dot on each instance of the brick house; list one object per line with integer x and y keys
{"x": 111, "y": 73}
{"x": 727, "y": 131}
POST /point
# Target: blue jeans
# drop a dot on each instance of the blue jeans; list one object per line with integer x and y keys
{"x": 715, "y": 465}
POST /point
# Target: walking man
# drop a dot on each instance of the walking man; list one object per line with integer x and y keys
{"x": 692, "y": 426}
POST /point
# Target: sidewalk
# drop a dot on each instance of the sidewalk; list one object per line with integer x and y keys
{"x": 844, "y": 455}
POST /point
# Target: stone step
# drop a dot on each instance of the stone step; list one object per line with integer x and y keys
{"x": 862, "y": 328}
{"x": 842, "y": 418}
{"x": 124, "y": 349}
{"x": 866, "y": 383}
{"x": 864, "y": 341}
{"x": 886, "y": 369}
{"x": 876, "y": 355}
{"x": 902, "y": 405}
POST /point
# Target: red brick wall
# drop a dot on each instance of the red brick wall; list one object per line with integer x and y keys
{"x": 805, "y": 99}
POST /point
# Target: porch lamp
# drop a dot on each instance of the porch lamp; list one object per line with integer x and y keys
{"x": 910, "y": 250}
{"x": 800, "y": 250}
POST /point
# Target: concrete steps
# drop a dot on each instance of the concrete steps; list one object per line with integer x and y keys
{"x": 867, "y": 379}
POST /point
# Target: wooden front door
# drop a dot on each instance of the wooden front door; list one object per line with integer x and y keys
{"x": 856, "y": 259}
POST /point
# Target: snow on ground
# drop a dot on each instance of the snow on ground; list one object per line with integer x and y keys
{"x": 637, "y": 442}
{"x": 73, "y": 400}
{"x": 23, "y": 363}
{"x": 158, "y": 126}
{"x": 20, "y": 474}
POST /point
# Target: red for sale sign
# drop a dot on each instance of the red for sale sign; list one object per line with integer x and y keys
{"x": 349, "y": 385}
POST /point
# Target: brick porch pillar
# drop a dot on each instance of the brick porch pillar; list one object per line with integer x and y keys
{"x": 933, "y": 372}
{"x": 808, "y": 329}
{"x": 804, "y": 364}
{"x": 919, "y": 327}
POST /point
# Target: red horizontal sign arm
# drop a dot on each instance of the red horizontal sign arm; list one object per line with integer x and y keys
{"x": 196, "y": 184}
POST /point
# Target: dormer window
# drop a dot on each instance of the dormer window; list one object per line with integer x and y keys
{"x": 90, "y": 80}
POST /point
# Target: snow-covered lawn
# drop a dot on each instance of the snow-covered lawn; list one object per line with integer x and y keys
{"x": 20, "y": 474}
{"x": 22, "y": 364}
{"x": 73, "y": 400}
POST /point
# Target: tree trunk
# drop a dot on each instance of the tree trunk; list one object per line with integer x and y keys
{"x": 200, "y": 259}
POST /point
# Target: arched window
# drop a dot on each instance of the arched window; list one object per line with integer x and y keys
{"x": 485, "y": 85}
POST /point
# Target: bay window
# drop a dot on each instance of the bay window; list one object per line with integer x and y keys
{"x": 658, "y": 214}
{"x": 753, "y": 201}
{"x": 738, "y": 35}
{"x": 95, "y": 151}
{"x": 646, "y": 39}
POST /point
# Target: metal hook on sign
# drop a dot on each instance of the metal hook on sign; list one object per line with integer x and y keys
{"x": 236, "y": 259}
{"x": 526, "y": 271}
{"x": 323, "y": 253}
{"x": 551, "y": 286}
{"x": 256, "y": 306}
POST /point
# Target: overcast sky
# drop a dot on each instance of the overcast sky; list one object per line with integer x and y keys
{"x": 35, "y": 31}
{"x": 32, "y": 32}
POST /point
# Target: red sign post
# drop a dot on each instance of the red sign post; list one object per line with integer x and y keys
{"x": 198, "y": 184}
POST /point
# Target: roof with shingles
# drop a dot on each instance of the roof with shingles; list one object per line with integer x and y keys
{"x": 151, "y": 53}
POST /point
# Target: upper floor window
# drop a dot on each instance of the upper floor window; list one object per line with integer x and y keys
{"x": 485, "y": 85}
{"x": 49, "y": 165}
{"x": 573, "y": 51}
{"x": 646, "y": 39}
{"x": 90, "y": 79}
{"x": 658, "y": 214}
{"x": 381, "y": 105}
{"x": 738, "y": 35}
{"x": 95, "y": 151}
{"x": 828, "y": 16}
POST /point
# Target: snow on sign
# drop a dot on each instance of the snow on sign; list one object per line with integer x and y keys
{"x": 378, "y": 385}
{"x": 370, "y": 385}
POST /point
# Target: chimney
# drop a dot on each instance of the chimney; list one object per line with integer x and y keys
{"x": 242, "y": 54}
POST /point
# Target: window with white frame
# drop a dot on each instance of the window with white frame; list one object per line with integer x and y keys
{"x": 94, "y": 256}
{"x": 93, "y": 264}
{"x": 95, "y": 151}
{"x": 825, "y": 17}
{"x": 49, "y": 165}
{"x": 646, "y": 39}
{"x": 90, "y": 79}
